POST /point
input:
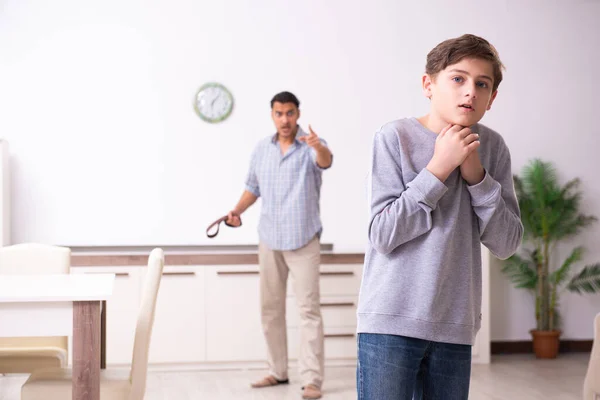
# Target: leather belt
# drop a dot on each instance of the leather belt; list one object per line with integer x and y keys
{"x": 217, "y": 224}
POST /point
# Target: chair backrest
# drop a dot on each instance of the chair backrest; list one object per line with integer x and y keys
{"x": 34, "y": 258}
{"x": 143, "y": 330}
{"x": 30, "y": 259}
{"x": 591, "y": 385}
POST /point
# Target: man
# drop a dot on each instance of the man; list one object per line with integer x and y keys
{"x": 285, "y": 170}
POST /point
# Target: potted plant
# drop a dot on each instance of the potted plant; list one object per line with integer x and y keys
{"x": 550, "y": 213}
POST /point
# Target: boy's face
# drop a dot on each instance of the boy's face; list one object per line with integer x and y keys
{"x": 461, "y": 93}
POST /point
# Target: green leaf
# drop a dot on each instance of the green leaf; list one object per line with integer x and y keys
{"x": 549, "y": 212}
{"x": 560, "y": 275}
{"x": 520, "y": 272}
{"x": 587, "y": 281}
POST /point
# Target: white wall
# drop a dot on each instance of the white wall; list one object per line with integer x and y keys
{"x": 552, "y": 64}
{"x": 96, "y": 102}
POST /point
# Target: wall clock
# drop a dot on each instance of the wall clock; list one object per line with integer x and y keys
{"x": 213, "y": 102}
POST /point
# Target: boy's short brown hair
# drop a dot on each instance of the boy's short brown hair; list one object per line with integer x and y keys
{"x": 452, "y": 51}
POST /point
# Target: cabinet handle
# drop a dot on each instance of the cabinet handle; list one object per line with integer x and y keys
{"x": 338, "y": 273}
{"x": 349, "y": 304}
{"x": 116, "y": 273}
{"x": 237, "y": 272}
{"x": 339, "y": 335}
{"x": 179, "y": 273}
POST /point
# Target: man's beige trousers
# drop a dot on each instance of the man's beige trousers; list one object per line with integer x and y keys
{"x": 303, "y": 264}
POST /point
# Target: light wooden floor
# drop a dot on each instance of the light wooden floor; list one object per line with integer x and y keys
{"x": 512, "y": 377}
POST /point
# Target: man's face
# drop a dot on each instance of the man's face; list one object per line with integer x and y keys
{"x": 285, "y": 117}
{"x": 461, "y": 93}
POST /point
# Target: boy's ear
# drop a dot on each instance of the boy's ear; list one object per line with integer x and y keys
{"x": 426, "y": 81}
{"x": 492, "y": 100}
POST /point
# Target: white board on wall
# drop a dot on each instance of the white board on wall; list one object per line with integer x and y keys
{"x": 107, "y": 150}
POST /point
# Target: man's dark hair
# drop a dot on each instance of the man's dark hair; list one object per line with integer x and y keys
{"x": 285, "y": 97}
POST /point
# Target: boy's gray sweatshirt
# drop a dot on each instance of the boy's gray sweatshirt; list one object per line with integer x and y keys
{"x": 422, "y": 272}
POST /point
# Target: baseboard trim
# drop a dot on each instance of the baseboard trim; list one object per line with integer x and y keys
{"x": 526, "y": 346}
{"x": 233, "y": 365}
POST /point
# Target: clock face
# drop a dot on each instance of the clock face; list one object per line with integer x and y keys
{"x": 213, "y": 102}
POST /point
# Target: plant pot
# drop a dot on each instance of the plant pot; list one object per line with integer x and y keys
{"x": 545, "y": 343}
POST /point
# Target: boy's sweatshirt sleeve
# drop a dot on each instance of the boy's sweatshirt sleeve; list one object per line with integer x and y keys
{"x": 495, "y": 203}
{"x": 399, "y": 211}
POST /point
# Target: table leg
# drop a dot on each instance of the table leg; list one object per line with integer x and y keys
{"x": 103, "y": 336}
{"x": 86, "y": 350}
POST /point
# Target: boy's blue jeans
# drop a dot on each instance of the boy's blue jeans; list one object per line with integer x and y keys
{"x": 402, "y": 368}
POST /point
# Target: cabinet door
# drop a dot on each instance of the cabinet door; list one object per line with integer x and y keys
{"x": 338, "y": 311}
{"x": 121, "y": 311}
{"x": 178, "y": 335}
{"x": 233, "y": 324}
{"x": 336, "y": 280}
{"x": 5, "y": 194}
{"x": 340, "y": 343}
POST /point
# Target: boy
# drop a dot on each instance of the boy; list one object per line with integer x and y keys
{"x": 440, "y": 185}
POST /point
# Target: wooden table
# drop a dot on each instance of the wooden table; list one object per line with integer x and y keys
{"x": 60, "y": 305}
